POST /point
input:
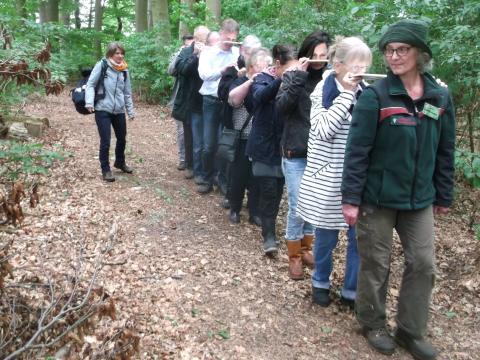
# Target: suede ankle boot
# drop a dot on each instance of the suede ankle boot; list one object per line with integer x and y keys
{"x": 306, "y": 251}
{"x": 295, "y": 266}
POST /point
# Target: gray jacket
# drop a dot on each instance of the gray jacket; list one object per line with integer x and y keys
{"x": 118, "y": 92}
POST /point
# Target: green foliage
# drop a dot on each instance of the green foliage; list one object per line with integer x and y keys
{"x": 148, "y": 62}
{"x": 467, "y": 164}
{"x": 17, "y": 159}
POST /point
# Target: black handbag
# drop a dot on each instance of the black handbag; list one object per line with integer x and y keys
{"x": 228, "y": 142}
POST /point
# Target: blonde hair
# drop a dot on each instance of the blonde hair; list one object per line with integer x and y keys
{"x": 346, "y": 49}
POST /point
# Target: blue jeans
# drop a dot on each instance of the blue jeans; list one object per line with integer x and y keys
{"x": 105, "y": 121}
{"x": 325, "y": 241}
{"x": 212, "y": 112}
{"x": 293, "y": 171}
{"x": 197, "y": 134}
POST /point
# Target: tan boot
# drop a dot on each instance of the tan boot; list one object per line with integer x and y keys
{"x": 306, "y": 251}
{"x": 295, "y": 267}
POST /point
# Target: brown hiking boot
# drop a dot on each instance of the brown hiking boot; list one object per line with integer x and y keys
{"x": 306, "y": 251}
{"x": 295, "y": 266}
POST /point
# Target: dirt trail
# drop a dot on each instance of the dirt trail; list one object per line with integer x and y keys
{"x": 196, "y": 287}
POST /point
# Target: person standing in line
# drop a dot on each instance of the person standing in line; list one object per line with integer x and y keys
{"x": 241, "y": 178}
{"x": 399, "y": 174}
{"x": 211, "y": 65}
{"x": 109, "y": 103}
{"x": 188, "y": 103}
{"x": 319, "y": 197}
{"x": 186, "y": 41}
{"x": 293, "y": 106}
{"x": 263, "y": 145}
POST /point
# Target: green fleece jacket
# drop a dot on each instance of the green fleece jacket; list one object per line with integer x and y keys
{"x": 400, "y": 152}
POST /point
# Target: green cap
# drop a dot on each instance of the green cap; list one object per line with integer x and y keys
{"x": 412, "y": 32}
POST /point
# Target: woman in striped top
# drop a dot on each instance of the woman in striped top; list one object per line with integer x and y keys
{"x": 320, "y": 197}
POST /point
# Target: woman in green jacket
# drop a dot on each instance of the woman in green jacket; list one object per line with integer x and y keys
{"x": 398, "y": 172}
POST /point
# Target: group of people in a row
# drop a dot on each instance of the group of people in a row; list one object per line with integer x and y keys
{"x": 365, "y": 158}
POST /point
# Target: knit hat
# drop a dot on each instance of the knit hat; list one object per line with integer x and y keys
{"x": 412, "y": 32}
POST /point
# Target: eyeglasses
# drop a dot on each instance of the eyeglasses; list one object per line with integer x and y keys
{"x": 355, "y": 68}
{"x": 401, "y": 51}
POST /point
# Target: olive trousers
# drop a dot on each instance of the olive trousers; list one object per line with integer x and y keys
{"x": 375, "y": 234}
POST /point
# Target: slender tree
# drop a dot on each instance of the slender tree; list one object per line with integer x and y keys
{"x": 161, "y": 18}
{"x": 78, "y": 21}
{"x": 42, "y": 11}
{"x": 20, "y": 8}
{"x": 90, "y": 14}
{"x": 98, "y": 27}
{"x": 52, "y": 10}
{"x": 149, "y": 15}
{"x": 186, "y": 9}
{"x": 141, "y": 20}
{"x": 65, "y": 11}
{"x": 215, "y": 9}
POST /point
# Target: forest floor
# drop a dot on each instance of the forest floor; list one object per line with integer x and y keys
{"x": 192, "y": 285}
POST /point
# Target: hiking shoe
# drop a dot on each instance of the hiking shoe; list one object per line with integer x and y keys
{"x": 188, "y": 174}
{"x": 124, "y": 167}
{"x": 226, "y": 203}
{"x": 419, "y": 348}
{"x": 350, "y": 303}
{"x": 199, "y": 180}
{"x": 108, "y": 176}
{"x": 181, "y": 166}
{"x": 234, "y": 217}
{"x": 379, "y": 339}
{"x": 204, "y": 188}
{"x": 270, "y": 246}
{"x": 321, "y": 296}
{"x": 255, "y": 220}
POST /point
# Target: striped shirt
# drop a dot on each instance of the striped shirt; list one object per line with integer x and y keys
{"x": 320, "y": 198}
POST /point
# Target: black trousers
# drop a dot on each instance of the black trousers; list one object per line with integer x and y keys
{"x": 105, "y": 121}
{"x": 241, "y": 179}
{"x": 271, "y": 190}
{"x": 188, "y": 141}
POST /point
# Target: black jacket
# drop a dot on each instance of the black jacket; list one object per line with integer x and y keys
{"x": 264, "y": 141}
{"x": 188, "y": 98}
{"x": 293, "y": 106}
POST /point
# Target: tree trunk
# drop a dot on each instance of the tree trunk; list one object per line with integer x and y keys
{"x": 65, "y": 12}
{"x": 162, "y": 20}
{"x": 186, "y": 9}
{"x": 118, "y": 33}
{"x": 20, "y": 8}
{"x": 149, "y": 15}
{"x": 471, "y": 132}
{"x": 214, "y": 8}
{"x": 42, "y": 12}
{"x": 98, "y": 27}
{"x": 141, "y": 20}
{"x": 90, "y": 14}
{"x": 78, "y": 21}
{"x": 52, "y": 10}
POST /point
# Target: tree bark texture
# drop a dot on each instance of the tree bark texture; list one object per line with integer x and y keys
{"x": 186, "y": 11}
{"x": 52, "y": 11}
{"x": 78, "y": 21}
{"x": 214, "y": 8}
{"x": 42, "y": 12}
{"x": 141, "y": 20}
{"x": 161, "y": 19}
{"x": 98, "y": 27}
{"x": 65, "y": 11}
{"x": 20, "y": 8}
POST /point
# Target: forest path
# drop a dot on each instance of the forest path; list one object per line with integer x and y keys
{"x": 194, "y": 286}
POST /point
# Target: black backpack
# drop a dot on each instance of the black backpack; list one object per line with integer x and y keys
{"x": 78, "y": 93}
